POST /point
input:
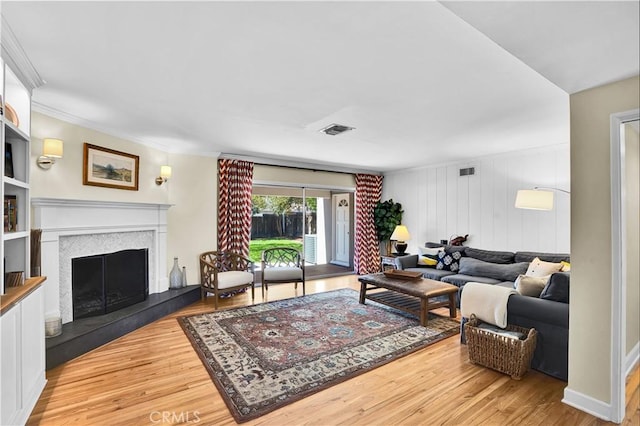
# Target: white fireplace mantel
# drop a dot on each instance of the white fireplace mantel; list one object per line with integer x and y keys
{"x": 84, "y": 226}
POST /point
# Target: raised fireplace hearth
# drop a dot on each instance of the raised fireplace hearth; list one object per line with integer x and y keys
{"x": 108, "y": 282}
{"x": 79, "y": 228}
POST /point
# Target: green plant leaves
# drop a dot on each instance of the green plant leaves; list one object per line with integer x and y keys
{"x": 386, "y": 216}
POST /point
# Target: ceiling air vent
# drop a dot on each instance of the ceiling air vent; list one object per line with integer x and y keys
{"x": 336, "y": 129}
{"x": 468, "y": 171}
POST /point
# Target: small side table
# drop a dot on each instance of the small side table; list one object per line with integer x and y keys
{"x": 388, "y": 261}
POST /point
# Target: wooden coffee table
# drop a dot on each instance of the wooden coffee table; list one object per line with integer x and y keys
{"x": 412, "y": 296}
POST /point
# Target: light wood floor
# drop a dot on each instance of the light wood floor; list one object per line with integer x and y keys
{"x": 153, "y": 376}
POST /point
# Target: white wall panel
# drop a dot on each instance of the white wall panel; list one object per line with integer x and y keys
{"x": 431, "y": 217}
{"x": 441, "y": 207}
{"x": 439, "y": 203}
{"x": 452, "y": 201}
{"x": 475, "y": 204}
{"x": 423, "y": 206}
{"x": 462, "y": 207}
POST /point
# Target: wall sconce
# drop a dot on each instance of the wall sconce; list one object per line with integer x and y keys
{"x": 539, "y": 198}
{"x": 400, "y": 235}
{"x": 165, "y": 174}
{"x": 51, "y": 149}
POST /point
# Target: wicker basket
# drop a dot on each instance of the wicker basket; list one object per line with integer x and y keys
{"x": 504, "y": 354}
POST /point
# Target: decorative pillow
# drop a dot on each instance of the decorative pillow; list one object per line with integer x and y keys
{"x": 449, "y": 261}
{"x": 430, "y": 252}
{"x": 530, "y": 286}
{"x": 498, "y": 271}
{"x": 557, "y": 289}
{"x": 566, "y": 266}
{"x": 427, "y": 261}
{"x": 538, "y": 268}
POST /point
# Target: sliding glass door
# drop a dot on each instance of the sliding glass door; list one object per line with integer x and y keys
{"x": 315, "y": 221}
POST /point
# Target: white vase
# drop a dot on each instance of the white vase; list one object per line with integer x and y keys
{"x": 184, "y": 276}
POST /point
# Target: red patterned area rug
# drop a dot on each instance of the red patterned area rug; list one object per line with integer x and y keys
{"x": 266, "y": 356}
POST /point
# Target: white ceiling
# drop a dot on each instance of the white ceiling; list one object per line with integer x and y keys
{"x": 422, "y": 82}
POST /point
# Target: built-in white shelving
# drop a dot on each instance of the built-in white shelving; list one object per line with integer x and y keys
{"x": 22, "y": 340}
{"x": 16, "y": 148}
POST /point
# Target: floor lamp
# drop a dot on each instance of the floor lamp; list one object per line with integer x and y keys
{"x": 538, "y": 198}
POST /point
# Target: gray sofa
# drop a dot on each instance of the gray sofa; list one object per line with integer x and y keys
{"x": 548, "y": 314}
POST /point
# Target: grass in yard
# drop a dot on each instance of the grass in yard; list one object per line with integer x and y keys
{"x": 257, "y": 246}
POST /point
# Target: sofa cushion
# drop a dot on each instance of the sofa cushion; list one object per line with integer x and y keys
{"x": 449, "y": 260}
{"x": 496, "y": 271}
{"x": 461, "y": 279}
{"x": 447, "y": 247}
{"x": 431, "y": 273}
{"x": 406, "y": 262}
{"x": 530, "y": 286}
{"x": 528, "y": 256}
{"x": 557, "y": 289}
{"x": 490, "y": 255}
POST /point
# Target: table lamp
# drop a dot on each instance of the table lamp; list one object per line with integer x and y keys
{"x": 400, "y": 235}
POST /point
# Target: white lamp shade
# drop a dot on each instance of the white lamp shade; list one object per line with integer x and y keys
{"x": 165, "y": 172}
{"x": 401, "y": 233}
{"x": 52, "y": 148}
{"x": 533, "y": 199}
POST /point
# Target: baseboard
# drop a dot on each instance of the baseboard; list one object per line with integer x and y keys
{"x": 632, "y": 359}
{"x": 587, "y": 404}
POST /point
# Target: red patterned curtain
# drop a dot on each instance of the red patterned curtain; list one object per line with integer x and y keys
{"x": 367, "y": 252}
{"x": 235, "y": 178}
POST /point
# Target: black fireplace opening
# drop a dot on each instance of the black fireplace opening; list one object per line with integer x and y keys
{"x": 108, "y": 282}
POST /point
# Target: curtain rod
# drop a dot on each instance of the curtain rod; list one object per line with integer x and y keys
{"x": 297, "y": 165}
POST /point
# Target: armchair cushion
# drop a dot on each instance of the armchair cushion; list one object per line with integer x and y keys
{"x": 229, "y": 279}
{"x": 282, "y": 273}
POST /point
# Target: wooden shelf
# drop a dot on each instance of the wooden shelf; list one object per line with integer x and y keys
{"x": 14, "y": 295}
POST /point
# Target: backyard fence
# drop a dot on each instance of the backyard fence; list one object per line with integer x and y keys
{"x": 289, "y": 225}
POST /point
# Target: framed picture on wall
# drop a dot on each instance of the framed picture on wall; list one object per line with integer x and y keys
{"x": 110, "y": 168}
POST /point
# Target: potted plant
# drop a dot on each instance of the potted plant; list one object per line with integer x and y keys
{"x": 386, "y": 216}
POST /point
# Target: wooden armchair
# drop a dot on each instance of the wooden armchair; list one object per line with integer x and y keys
{"x": 282, "y": 265}
{"x": 224, "y": 272}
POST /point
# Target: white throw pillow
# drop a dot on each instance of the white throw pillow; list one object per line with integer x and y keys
{"x": 530, "y": 286}
{"x": 426, "y": 251}
{"x": 538, "y": 268}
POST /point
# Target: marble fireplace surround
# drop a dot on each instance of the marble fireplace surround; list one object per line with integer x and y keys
{"x": 75, "y": 228}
